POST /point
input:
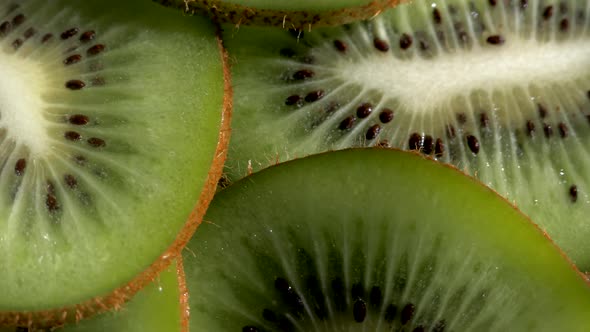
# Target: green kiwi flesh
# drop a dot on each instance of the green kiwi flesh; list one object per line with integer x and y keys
{"x": 498, "y": 88}
{"x": 300, "y": 14}
{"x": 155, "y": 308}
{"x": 110, "y": 120}
{"x": 375, "y": 240}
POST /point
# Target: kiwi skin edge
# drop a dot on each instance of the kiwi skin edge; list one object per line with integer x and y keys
{"x": 222, "y": 12}
{"x": 115, "y": 300}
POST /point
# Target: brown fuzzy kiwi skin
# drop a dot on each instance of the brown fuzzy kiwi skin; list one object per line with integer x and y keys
{"x": 183, "y": 293}
{"x": 222, "y": 12}
{"x": 118, "y": 297}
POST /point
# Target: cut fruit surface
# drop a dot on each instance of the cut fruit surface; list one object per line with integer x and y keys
{"x": 301, "y": 14}
{"x": 110, "y": 119}
{"x": 158, "y": 307}
{"x": 499, "y": 89}
{"x": 375, "y": 240}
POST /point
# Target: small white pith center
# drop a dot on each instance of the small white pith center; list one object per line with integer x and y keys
{"x": 423, "y": 84}
{"x": 21, "y": 88}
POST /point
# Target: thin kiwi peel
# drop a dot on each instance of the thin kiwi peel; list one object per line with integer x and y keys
{"x": 160, "y": 306}
{"x": 472, "y": 83}
{"x": 298, "y": 15}
{"x": 273, "y": 260}
{"x": 89, "y": 80}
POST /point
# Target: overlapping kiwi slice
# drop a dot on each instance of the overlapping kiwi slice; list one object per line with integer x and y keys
{"x": 281, "y": 13}
{"x": 375, "y": 240}
{"x": 110, "y": 147}
{"x": 160, "y": 306}
{"x": 501, "y": 89}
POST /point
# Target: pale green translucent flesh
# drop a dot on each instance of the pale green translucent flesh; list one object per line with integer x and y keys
{"x": 427, "y": 90}
{"x": 159, "y": 113}
{"x": 382, "y": 218}
{"x": 155, "y": 308}
{"x": 305, "y": 5}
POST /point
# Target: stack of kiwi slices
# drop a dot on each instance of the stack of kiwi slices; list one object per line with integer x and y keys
{"x": 115, "y": 125}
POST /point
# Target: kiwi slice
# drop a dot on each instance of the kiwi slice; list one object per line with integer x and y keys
{"x": 375, "y": 240}
{"x": 110, "y": 121}
{"x": 498, "y": 88}
{"x": 300, "y": 14}
{"x": 160, "y": 306}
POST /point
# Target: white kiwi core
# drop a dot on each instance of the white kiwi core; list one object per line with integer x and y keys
{"x": 21, "y": 89}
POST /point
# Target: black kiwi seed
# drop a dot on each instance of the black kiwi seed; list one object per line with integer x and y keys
{"x": 71, "y": 181}
{"x": 5, "y": 28}
{"x": 46, "y": 37}
{"x": 524, "y": 4}
{"x": 69, "y": 33}
{"x": 407, "y": 313}
{"x": 381, "y": 44}
{"x": 364, "y": 110}
{"x": 573, "y": 191}
{"x": 405, "y": 41}
{"x": 75, "y": 84}
{"x": 347, "y": 123}
{"x": 436, "y": 16}
{"x": 495, "y": 40}
{"x": 375, "y": 297}
{"x": 249, "y": 329}
{"x": 30, "y": 32}
{"x": 414, "y": 141}
{"x": 87, "y": 36}
{"x": 17, "y": 43}
{"x": 542, "y": 111}
{"x": 564, "y": 24}
{"x": 96, "y": 142}
{"x": 293, "y": 100}
{"x": 19, "y": 167}
{"x": 386, "y": 115}
{"x": 427, "y": 145}
{"x": 51, "y": 200}
{"x": 548, "y": 130}
{"x": 79, "y": 119}
{"x": 303, "y": 74}
{"x": 439, "y": 148}
{"x": 548, "y": 12}
{"x": 314, "y": 96}
{"x": 461, "y": 118}
{"x": 563, "y": 130}
{"x": 484, "y": 120}
{"x": 72, "y": 59}
{"x": 359, "y": 310}
{"x": 72, "y": 135}
{"x": 340, "y": 46}
{"x": 530, "y": 127}
{"x": 18, "y": 20}
{"x": 372, "y": 132}
{"x": 473, "y": 143}
{"x": 96, "y": 49}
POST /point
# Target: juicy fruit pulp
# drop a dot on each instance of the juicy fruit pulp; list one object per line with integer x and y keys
{"x": 109, "y": 126}
{"x": 498, "y": 88}
{"x": 375, "y": 240}
{"x": 303, "y": 14}
{"x": 156, "y": 308}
